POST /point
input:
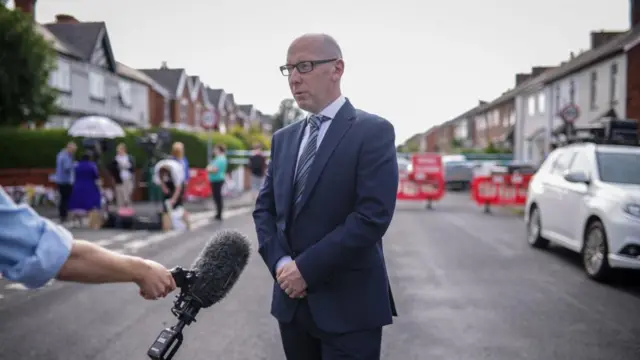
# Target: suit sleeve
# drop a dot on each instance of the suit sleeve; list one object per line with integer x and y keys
{"x": 264, "y": 218}
{"x": 376, "y": 188}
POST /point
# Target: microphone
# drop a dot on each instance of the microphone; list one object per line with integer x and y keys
{"x": 213, "y": 274}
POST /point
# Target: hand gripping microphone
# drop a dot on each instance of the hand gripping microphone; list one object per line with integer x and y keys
{"x": 213, "y": 274}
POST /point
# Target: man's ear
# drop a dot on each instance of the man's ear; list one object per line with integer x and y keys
{"x": 338, "y": 69}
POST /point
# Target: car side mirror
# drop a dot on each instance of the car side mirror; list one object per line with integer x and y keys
{"x": 577, "y": 177}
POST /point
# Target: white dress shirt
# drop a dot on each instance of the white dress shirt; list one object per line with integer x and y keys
{"x": 330, "y": 111}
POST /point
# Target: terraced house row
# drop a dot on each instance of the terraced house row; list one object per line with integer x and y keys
{"x": 600, "y": 83}
{"x": 91, "y": 81}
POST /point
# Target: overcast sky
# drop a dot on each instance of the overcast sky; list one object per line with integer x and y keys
{"x": 417, "y": 63}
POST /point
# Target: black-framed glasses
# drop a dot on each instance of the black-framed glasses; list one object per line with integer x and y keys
{"x": 303, "y": 66}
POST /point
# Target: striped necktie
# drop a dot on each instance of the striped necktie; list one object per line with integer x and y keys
{"x": 307, "y": 156}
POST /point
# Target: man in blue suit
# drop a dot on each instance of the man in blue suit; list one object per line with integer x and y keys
{"x": 327, "y": 200}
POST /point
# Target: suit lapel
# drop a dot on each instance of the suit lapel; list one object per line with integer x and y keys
{"x": 337, "y": 129}
{"x": 291, "y": 161}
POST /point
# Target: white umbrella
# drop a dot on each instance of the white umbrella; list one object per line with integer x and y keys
{"x": 96, "y": 127}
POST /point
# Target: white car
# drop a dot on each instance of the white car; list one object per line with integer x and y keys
{"x": 586, "y": 197}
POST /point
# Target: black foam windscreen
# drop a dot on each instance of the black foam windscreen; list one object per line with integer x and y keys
{"x": 219, "y": 266}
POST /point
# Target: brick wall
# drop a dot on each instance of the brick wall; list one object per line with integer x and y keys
{"x": 156, "y": 107}
{"x": 22, "y": 177}
{"x": 633, "y": 83}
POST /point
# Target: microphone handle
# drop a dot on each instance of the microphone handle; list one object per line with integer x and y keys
{"x": 167, "y": 343}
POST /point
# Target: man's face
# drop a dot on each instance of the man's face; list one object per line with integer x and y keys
{"x": 72, "y": 148}
{"x": 311, "y": 87}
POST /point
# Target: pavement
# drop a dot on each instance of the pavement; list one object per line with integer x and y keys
{"x": 148, "y": 207}
{"x": 466, "y": 284}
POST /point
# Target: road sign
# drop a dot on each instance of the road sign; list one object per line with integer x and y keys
{"x": 570, "y": 113}
{"x": 208, "y": 119}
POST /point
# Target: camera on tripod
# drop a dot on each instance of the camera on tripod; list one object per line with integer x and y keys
{"x": 95, "y": 147}
{"x": 185, "y": 308}
{"x": 153, "y": 144}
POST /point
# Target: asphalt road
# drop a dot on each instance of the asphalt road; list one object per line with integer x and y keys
{"x": 466, "y": 284}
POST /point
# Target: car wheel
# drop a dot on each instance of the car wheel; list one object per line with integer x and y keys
{"x": 534, "y": 230}
{"x": 595, "y": 251}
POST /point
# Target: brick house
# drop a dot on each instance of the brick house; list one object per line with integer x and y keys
{"x": 633, "y": 66}
{"x": 179, "y": 88}
{"x": 494, "y": 122}
{"x": 446, "y": 135}
{"x": 429, "y": 141}
{"x": 216, "y": 97}
{"x": 199, "y": 101}
{"x": 231, "y": 107}
{"x": 251, "y": 115}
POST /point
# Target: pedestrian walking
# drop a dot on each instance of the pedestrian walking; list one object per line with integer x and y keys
{"x": 217, "y": 170}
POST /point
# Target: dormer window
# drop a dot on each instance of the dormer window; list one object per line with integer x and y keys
{"x": 96, "y": 86}
{"x": 124, "y": 90}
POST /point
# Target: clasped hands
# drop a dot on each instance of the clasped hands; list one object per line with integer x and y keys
{"x": 291, "y": 281}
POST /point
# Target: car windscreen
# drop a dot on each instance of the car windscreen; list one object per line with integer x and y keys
{"x": 619, "y": 167}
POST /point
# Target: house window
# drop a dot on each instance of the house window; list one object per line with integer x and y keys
{"x": 198, "y": 115}
{"x": 572, "y": 92}
{"x": 167, "y": 112}
{"x": 593, "y": 96}
{"x": 557, "y": 104}
{"x": 532, "y": 106}
{"x": 60, "y": 78}
{"x": 496, "y": 117}
{"x": 512, "y": 117}
{"x": 124, "y": 89}
{"x": 541, "y": 100}
{"x": 96, "y": 86}
{"x": 612, "y": 87}
{"x": 184, "y": 109}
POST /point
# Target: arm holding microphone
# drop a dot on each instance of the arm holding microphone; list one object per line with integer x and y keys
{"x": 91, "y": 264}
{"x": 34, "y": 250}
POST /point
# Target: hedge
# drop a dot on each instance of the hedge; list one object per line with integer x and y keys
{"x": 24, "y": 148}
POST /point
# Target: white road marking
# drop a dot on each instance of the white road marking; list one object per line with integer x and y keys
{"x": 105, "y": 242}
{"x": 16, "y": 286}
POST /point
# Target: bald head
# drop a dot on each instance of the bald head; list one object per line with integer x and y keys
{"x": 325, "y": 45}
{"x": 315, "y": 67}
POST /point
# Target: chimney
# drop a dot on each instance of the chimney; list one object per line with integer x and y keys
{"x": 520, "y": 78}
{"x": 635, "y": 13}
{"x": 27, "y": 7}
{"x": 164, "y": 65}
{"x": 572, "y": 55}
{"x": 66, "y": 19}
{"x": 537, "y": 70}
{"x": 599, "y": 38}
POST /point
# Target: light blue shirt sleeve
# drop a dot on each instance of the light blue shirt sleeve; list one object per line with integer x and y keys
{"x": 283, "y": 260}
{"x": 32, "y": 248}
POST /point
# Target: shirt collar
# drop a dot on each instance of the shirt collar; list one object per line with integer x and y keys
{"x": 332, "y": 109}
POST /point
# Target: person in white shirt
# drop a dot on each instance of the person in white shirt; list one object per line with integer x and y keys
{"x": 123, "y": 172}
{"x": 169, "y": 175}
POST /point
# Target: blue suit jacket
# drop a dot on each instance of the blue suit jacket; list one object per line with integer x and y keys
{"x": 336, "y": 236}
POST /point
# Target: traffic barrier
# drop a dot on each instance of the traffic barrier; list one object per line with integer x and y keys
{"x": 424, "y": 181}
{"x": 198, "y": 185}
{"x": 500, "y": 190}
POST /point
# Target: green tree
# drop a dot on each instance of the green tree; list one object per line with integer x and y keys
{"x": 26, "y": 59}
{"x": 286, "y": 114}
